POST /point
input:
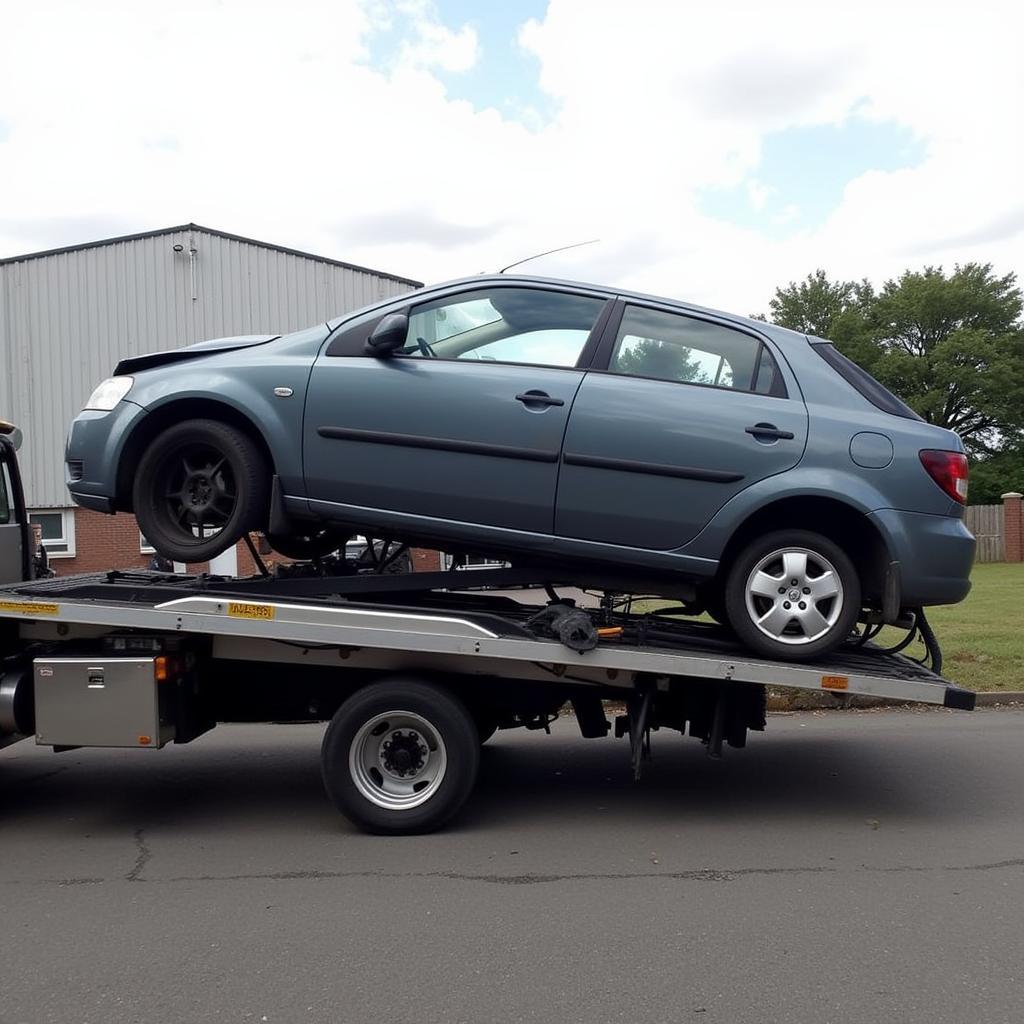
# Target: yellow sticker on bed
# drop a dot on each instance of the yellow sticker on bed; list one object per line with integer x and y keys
{"x": 250, "y": 611}
{"x": 28, "y": 608}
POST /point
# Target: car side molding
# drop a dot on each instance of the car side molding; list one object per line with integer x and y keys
{"x": 714, "y": 476}
{"x": 442, "y": 444}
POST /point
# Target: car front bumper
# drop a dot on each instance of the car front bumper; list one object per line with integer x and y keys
{"x": 935, "y": 555}
{"x": 95, "y": 442}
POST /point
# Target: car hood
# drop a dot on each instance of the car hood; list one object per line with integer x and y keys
{"x": 204, "y": 348}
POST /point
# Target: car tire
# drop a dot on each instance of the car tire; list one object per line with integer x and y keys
{"x": 369, "y": 788}
{"x": 201, "y": 469}
{"x": 795, "y": 621}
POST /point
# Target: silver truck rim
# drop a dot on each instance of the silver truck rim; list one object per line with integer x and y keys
{"x": 794, "y": 595}
{"x": 397, "y": 760}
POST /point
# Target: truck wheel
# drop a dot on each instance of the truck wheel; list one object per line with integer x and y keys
{"x": 400, "y": 757}
{"x": 792, "y": 594}
{"x": 199, "y": 486}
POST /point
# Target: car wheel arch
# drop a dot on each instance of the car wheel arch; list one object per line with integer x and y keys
{"x": 163, "y": 416}
{"x": 844, "y": 524}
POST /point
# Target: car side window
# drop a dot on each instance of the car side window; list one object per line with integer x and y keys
{"x": 507, "y": 325}
{"x": 685, "y": 350}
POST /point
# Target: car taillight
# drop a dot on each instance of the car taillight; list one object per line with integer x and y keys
{"x": 948, "y": 470}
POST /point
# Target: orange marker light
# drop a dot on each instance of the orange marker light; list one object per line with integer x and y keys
{"x": 144, "y": 741}
{"x": 609, "y": 631}
{"x": 835, "y": 682}
{"x": 160, "y": 669}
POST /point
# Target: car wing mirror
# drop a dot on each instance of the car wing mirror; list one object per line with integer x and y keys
{"x": 389, "y": 335}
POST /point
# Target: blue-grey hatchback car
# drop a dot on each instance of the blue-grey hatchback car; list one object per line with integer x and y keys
{"x": 636, "y": 443}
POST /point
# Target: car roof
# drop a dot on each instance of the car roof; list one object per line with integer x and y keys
{"x": 778, "y": 333}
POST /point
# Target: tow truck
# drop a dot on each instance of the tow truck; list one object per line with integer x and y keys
{"x": 413, "y": 671}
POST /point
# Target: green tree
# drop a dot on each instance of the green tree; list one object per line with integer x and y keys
{"x": 836, "y": 310}
{"x": 994, "y": 475}
{"x": 950, "y": 345}
{"x": 665, "y": 360}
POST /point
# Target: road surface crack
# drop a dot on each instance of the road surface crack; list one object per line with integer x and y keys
{"x": 143, "y": 853}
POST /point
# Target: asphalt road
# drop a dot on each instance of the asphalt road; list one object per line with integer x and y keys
{"x": 859, "y": 866}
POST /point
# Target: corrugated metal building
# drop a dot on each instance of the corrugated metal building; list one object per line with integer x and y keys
{"x": 68, "y": 315}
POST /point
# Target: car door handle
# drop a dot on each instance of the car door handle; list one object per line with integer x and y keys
{"x": 538, "y": 398}
{"x": 769, "y": 430}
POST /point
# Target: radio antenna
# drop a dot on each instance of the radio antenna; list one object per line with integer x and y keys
{"x": 561, "y": 248}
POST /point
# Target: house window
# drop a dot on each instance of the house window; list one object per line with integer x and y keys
{"x": 58, "y": 529}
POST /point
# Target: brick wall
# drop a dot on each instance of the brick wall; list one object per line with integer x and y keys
{"x": 102, "y": 542}
{"x": 426, "y": 561}
{"x": 1013, "y": 527}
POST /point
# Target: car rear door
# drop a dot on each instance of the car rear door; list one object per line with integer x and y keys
{"x": 464, "y": 425}
{"x": 687, "y": 412}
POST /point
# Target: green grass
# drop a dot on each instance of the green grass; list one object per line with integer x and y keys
{"x": 982, "y": 638}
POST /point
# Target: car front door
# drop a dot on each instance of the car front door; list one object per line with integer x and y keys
{"x": 687, "y": 413}
{"x": 463, "y": 425}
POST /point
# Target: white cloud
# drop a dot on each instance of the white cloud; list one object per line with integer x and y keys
{"x": 434, "y": 45}
{"x": 267, "y": 120}
{"x": 758, "y": 193}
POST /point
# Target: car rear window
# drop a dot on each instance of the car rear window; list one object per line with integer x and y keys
{"x": 879, "y": 396}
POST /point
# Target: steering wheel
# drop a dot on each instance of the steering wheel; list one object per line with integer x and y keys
{"x": 424, "y": 347}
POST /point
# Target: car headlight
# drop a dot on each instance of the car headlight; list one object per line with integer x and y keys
{"x": 109, "y": 393}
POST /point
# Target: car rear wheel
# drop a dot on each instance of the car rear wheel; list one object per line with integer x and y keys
{"x": 200, "y": 486}
{"x": 792, "y": 594}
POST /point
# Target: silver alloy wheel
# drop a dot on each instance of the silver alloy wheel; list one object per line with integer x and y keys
{"x": 397, "y": 760}
{"x": 794, "y": 595}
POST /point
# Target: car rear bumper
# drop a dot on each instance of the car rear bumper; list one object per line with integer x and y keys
{"x": 935, "y": 555}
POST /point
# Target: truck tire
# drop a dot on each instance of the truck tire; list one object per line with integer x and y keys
{"x": 400, "y": 757}
{"x": 199, "y": 486}
{"x": 793, "y": 595}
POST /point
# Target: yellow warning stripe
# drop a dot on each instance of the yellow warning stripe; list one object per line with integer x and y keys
{"x": 29, "y": 608}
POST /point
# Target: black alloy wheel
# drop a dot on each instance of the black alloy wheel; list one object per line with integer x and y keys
{"x": 199, "y": 487}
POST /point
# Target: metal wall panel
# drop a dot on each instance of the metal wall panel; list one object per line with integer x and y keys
{"x": 66, "y": 318}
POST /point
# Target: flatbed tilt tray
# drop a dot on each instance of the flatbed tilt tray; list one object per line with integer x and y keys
{"x": 413, "y": 671}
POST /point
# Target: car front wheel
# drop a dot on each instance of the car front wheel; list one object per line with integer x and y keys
{"x": 793, "y": 595}
{"x": 199, "y": 486}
